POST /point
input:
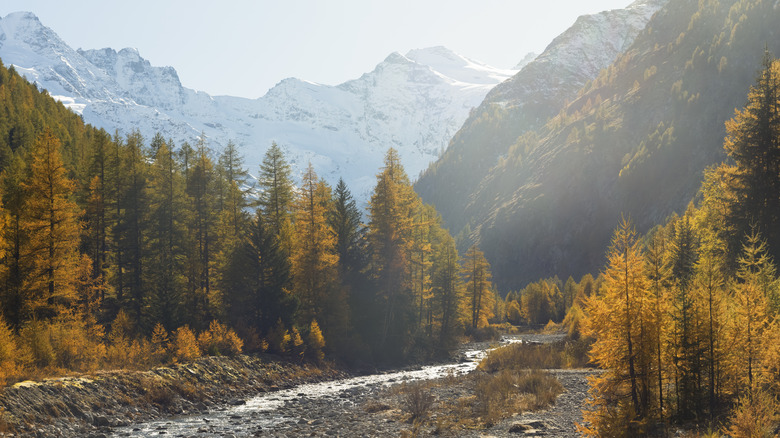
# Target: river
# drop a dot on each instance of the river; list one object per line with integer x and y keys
{"x": 273, "y": 413}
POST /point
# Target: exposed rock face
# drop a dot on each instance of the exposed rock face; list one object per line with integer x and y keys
{"x": 80, "y": 406}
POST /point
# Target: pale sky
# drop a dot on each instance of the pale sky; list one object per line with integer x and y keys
{"x": 243, "y": 48}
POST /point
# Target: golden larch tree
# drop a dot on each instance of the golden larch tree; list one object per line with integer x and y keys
{"x": 314, "y": 258}
{"x": 622, "y": 319}
{"x": 476, "y": 272}
{"x": 53, "y": 229}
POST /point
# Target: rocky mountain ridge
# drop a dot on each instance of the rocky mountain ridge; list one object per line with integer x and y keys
{"x": 413, "y": 103}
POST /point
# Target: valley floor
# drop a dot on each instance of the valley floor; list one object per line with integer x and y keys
{"x": 204, "y": 398}
{"x": 349, "y": 416}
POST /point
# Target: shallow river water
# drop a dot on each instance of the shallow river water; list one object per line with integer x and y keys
{"x": 265, "y": 411}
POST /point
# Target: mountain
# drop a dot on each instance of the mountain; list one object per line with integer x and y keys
{"x": 414, "y": 103}
{"x": 633, "y": 140}
{"x": 526, "y": 101}
{"x": 527, "y": 59}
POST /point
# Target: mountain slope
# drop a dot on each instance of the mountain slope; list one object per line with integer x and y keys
{"x": 414, "y": 103}
{"x": 633, "y": 141}
{"x": 526, "y": 101}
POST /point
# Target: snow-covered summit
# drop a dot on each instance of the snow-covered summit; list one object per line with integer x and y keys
{"x": 576, "y": 56}
{"x": 414, "y": 103}
{"x": 458, "y": 67}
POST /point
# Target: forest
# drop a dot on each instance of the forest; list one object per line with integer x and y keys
{"x": 684, "y": 320}
{"x": 123, "y": 253}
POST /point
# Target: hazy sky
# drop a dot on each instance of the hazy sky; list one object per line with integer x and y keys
{"x": 243, "y": 48}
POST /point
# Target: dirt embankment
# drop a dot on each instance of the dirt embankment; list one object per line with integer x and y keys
{"x": 91, "y": 404}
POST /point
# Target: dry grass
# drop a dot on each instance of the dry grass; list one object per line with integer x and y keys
{"x": 507, "y": 392}
{"x": 558, "y": 355}
{"x": 475, "y": 401}
{"x": 372, "y": 407}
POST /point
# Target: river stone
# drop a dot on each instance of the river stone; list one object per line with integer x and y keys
{"x": 100, "y": 421}
{"x": 519, "y": 428}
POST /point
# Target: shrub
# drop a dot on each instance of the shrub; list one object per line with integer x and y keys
{"x": 544, "y": 388}
{"x": 295, "y": 346}
{"x": 316, "y": 342}
{"x": 184, "y": 346}
{"x": 35, "y": 336}
{"x": 573, "y": 322}
{"x": 756, "y": 417}
{"x": 218, "y": 340}
{"x": 513, "y": 313}
{"x": 278, "y": 338}
{"x": 417, "y": 401}
{"x": 483, "y": 334}
{"x": 76, "y": 343}
{"x": 160, "y": 341}
{"x": 160, "y": 395}
{"x": 8, "y": 353}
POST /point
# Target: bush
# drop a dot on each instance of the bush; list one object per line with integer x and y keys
{"x": 573, "y": 322}
{"x": 756, "y": 417}
{"x": 278, "y": 338}
{"x": 513, "y": 313}
{"x": 482, "y": 334}
{"x": 295, "y": 346}
{"x": 184, "y": 346}
{"x": 218, "y": 340}
{"x": 77, "y": 344}
{"x": 8, "y": 353}
{"x": 417, "y": 401}
{"x": 316, "y": 342}
{"x": 160, "y": 341}
{"x": 563, "y": 354}
{"x": 35, "y": 337}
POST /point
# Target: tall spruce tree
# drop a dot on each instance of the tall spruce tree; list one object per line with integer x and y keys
{"x": 447, "y": 287}
{"x": 390, "y": 226}
{"x": 133, "y": 207}
{"x": 276, "y": 194}
{"x": 753, "y": 142}
{"x": 204, "y": 246}
{"x": 257, "y": 281}
{"x": 167, "y": 247}
{"x": 17, "y": 303}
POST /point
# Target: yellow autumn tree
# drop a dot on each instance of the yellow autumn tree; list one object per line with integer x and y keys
{"x": 480, "y": 299}
{"x": 751, "y": 316}
{"x": 314, "y": 259}
{"x": 315, "y": 342}
{"x": 52, "y": 228}
{"x": 622, "y": 321}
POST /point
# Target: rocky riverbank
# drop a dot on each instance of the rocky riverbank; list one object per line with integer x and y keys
{"x": 91, "y": 405}
{"x": 380, "y": 411}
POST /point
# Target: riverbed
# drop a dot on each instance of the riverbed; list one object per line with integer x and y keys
{"x": 338, "y": 407}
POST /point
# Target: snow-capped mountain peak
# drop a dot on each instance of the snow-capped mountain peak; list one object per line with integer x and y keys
{"x": 414, "y": 103}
